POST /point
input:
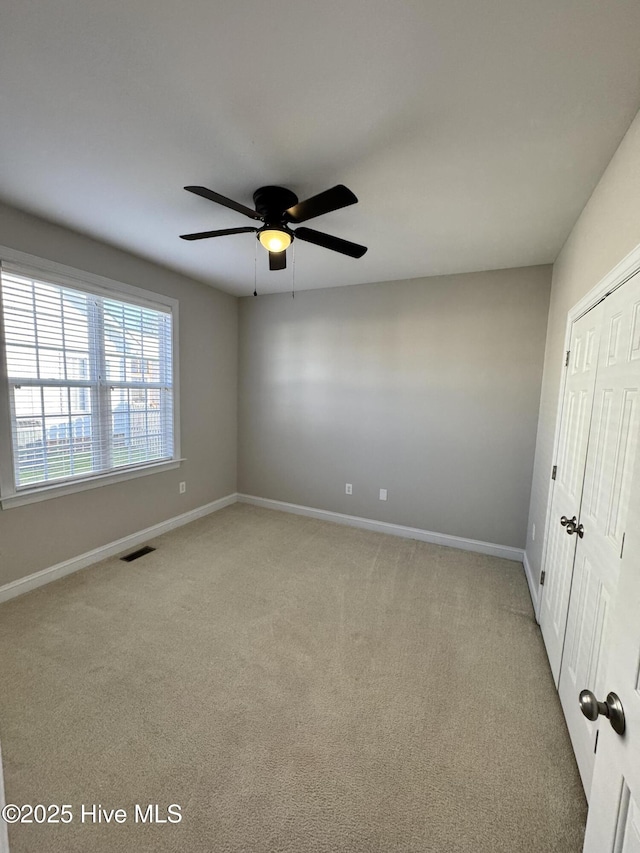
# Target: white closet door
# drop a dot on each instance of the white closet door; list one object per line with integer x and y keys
{"x": 611, "y": 462}
{"x": 4, "y": 837}
{"x": 613, "y": 825}
{"x": 567, "y": 493}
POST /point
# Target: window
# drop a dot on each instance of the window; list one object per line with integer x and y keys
{"x": 89, "y": 381}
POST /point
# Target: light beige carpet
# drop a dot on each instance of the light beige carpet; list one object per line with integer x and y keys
{"x": 295, "y": 686}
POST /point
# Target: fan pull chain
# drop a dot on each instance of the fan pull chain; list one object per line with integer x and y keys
{"x": 255, "y": 267}
{"x": 293, "y": 271}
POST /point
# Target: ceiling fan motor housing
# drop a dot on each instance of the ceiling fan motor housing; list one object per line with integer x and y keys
{"x": 271, "y": 203}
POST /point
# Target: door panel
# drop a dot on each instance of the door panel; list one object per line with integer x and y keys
{"x": 583, "y": 653}
{"x": 610, "y": 466}
{"x": 567, "y": 493}
{"x": 625, "y": 453}
{"x": 628, "y": 824}
{"x": 613, "y": 825}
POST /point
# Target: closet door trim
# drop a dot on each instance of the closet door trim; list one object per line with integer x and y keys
{"x": 621, "y": 273}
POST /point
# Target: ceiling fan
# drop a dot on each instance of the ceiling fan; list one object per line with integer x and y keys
{"x": 276, "y": 207}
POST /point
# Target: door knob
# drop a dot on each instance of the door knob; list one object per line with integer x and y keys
{"x": 573, "y": 528}
{"x": 611, "y": 708}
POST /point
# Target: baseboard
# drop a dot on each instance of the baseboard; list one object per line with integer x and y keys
{"x": 534, "y": 586}
{"x": 22, "y": 585}
{"x": 504, "y": 551}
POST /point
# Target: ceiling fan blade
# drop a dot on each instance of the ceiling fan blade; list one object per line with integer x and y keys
{"x": 333, "y": 199}
{"x": 277, "y": 260}
{"x": 226, "y": 202}
{"x": 202, "y": 235}
{"x": 328, "y": 241}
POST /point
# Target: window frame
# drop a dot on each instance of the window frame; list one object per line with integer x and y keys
{"x": 65, "y": 276}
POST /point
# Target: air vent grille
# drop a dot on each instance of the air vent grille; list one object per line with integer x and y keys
{"x": 128, "y": 558}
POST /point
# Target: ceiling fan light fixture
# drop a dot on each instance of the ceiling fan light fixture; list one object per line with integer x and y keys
{"x": 274, "y": 239}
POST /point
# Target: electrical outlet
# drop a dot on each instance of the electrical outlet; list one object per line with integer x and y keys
{"x": 383, "y": 494}
{"x": 183, "y": 488}
{"x": 348, "y": 489}
{"x": 533, "y": 533}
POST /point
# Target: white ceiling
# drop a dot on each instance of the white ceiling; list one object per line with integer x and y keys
{"x": 472, "y": 132}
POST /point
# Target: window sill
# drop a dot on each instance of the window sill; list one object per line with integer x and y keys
{"x": 43, "y": 493}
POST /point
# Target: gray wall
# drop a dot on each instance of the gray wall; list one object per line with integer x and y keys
{"x": 607, "y": 230}
{"x": 42, "y": 534}
{"x": 428, "y": 388}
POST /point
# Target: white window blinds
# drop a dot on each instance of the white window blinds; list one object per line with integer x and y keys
{"x": 89, "y": 379}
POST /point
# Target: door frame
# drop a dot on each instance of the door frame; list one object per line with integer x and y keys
{"x": 4, "y": 837}
{"x": 615, "y": 278}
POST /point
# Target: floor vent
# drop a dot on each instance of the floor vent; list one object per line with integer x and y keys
{"x": 128, "y": 558}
